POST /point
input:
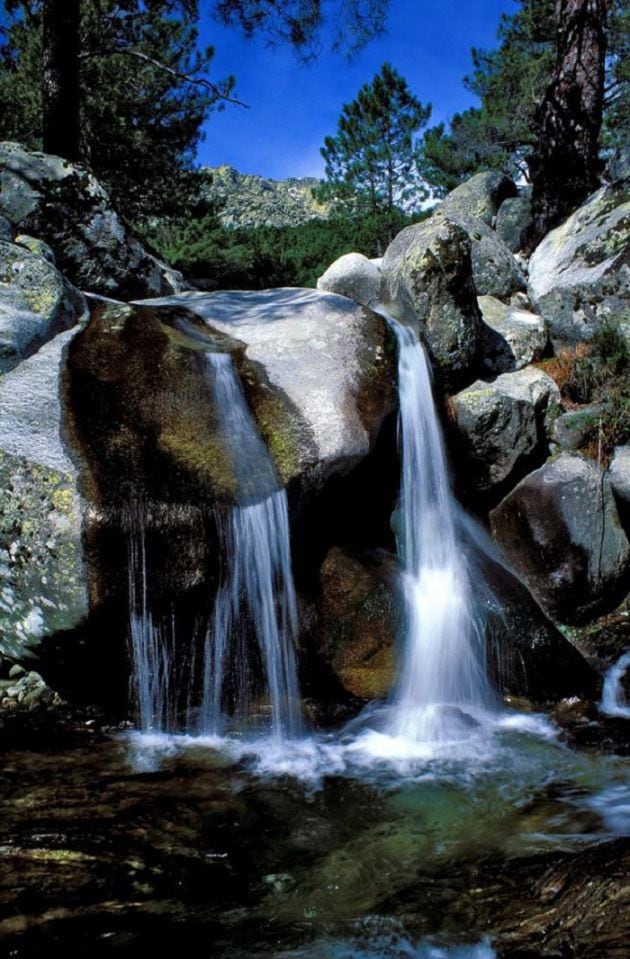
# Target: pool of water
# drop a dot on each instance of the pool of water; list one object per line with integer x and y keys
{"x": 328, "y": 847}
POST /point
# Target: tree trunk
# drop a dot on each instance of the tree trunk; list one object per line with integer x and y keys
{"x": 61, "y": 90}
{"x": 565, "y": 165}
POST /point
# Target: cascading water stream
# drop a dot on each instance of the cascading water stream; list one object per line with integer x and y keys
{"x": 256, "y": 596}
{"x": 249, "y": 649}
{"x": 614, "y": 701}
{"x": 443, "y": 668}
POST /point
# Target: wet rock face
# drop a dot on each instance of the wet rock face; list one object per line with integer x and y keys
{"x": 501, "y": 427}
{"x": 43, "y": 577}
{"x": 36, "y": 303}
{"x": 427, "y": 274}
{"x": 360, "y": 618}
{"x": 359, "y": 615}
{"x": 579, "y": 275}
{"x": 560, "y": 530}
{"x": 319, "y": 373}
{"x": 64, "y": 205}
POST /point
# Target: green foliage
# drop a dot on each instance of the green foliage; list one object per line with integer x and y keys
{"x": 372, "y": 162}
{"x": 141, "y": 123}
{"x": 510, "y": 82}
{"x": 261, "y": 257}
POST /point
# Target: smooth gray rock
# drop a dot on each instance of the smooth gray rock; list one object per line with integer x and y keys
{"x": 511, "y": 338}
{"x": 36, "y": 303}
{"x": 325, "y": 361}
{"x": 43, "y": 583}
{"x": 427, "y": 272}
{"x": 503, "y": 424}
{"x": 480, "y": 197}
{"x": 64, "y": 205}
{"x": 514, "y": 220}
{"x": 579, "y": 275}
{"x": 560, "y": 530}
{"x": 354, "y": 276}
{"x": 619, "y": 472}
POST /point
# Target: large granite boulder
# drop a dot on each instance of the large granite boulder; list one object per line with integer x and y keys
{"x": 43, "y": 585}
{"x": 427, "y": 272}
{"x": 573, "y": 429}
{"x": 579, "y": 275}
{"x": 502, "y": 426}
{"x": 36, "y": 303}
{"x": 354, "y": 276}
{"x": 63, "y": 204}
{"x": 619, "y": 472}
{"x": 514, "y": 220}
{"x": 560, "y": 530}
{"x": 511, "y": 337}
{"x": 480, "y": 197}
{"x": 496, "y": 271}
{"x": 318, "y": 370}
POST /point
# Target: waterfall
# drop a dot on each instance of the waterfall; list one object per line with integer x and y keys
{"x": 249, "y": 649}
{"x": 153, "y": 689}
{"x": 256, "y": 596}
{"x": 614, "y": 702}
{"x": 443, "y": 660}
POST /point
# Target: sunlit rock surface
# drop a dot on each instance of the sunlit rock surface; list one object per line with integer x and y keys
{"x": 579, "y": 275}
{"x": 511, "y": 337}
{"x": 320, "y": 373}
{"x": 502, "y": 426}
{"x": 43, "y": 585}
{"x": 354, "y": 276}
{"x": 36, "y": 303}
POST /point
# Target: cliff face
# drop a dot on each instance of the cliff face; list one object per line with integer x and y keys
{"x": 243, "y": 199}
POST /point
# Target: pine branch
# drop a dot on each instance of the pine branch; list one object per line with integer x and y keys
{"x": 219, "y": 93}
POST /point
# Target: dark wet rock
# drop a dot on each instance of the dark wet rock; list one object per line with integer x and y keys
{"x": 480, "y": 197}
{"x": 6, "y": 231}
{"x": 618, "y": 166}
{"x": 358, "y": 619}
{"x": 502, "y": 426}
{"x": 579, "y": 275}
{"x": 64, "y": 205}
{"x": 514, "y": 220}
{"x": 560, "y": 530}
{"x": 427, "y": 274}
{"x": 36, "y": 303}
{"x": 511, "y": 337}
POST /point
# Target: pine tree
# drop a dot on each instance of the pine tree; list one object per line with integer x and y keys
{"x": 372, "y": 162}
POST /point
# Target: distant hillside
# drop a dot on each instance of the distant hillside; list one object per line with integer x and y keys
{"x": 244, "y": 200}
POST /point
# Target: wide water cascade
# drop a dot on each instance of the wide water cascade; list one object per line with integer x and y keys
{"x": 251, "y": 634}
{"x": 442, "y": 674}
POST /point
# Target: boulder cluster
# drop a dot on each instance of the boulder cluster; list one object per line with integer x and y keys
{"x": 105, "y": 410}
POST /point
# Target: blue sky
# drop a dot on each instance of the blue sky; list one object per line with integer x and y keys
{"x": 292, "y": 107}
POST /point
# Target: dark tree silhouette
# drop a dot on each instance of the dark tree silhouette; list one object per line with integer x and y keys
{"x": 565, "y": 164}
{"x": 61, "y": 88}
